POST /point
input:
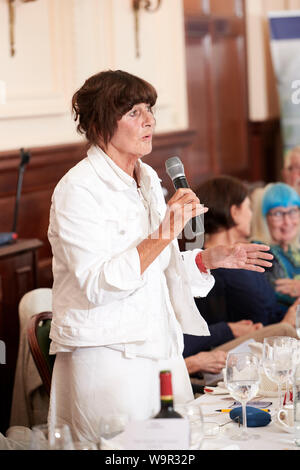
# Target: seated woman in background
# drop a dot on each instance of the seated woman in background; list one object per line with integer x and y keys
{"x": 242, "y": 304}
{"x": 281, "y": 224}
{"x": 291, "y": 169}
{"x": 237, "y": 295}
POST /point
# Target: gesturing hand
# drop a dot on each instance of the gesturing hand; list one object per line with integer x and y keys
{"x": 249, "y": 256}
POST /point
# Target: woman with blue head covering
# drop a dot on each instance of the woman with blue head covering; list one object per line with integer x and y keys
{"x": 280, "y": 209}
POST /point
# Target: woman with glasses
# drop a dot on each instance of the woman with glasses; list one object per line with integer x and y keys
{"x": 281, "y": 224}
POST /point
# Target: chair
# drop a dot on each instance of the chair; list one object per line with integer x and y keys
{"x": 39, "y": 343}
{"x": 30, "y": 400}
{"x": 198, "y": 385}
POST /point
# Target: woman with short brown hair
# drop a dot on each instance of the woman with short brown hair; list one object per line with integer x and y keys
{"x": 104, "y": 98}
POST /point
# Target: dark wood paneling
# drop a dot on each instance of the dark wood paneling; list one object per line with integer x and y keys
{"x": 18, "y": 275}
{"x": 47, "y": 165}
{"x": 266, "y": 150}
{"x": 225, "y": 7}
{"x": 230, "y": 95}
{"x": 203, "y": 152}
{"x": 217, "y": 87}
{"x": 195, "y": 7}
{"x": 169, "y": 145}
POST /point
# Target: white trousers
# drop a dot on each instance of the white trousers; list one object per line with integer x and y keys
{"x": 90, "y": 383}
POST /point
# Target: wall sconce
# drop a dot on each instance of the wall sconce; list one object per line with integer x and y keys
{"x": 11, "y": 12}
{"x": 137, "y": 5}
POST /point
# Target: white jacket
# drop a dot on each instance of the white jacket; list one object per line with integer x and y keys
{"x": 99, "y": 295}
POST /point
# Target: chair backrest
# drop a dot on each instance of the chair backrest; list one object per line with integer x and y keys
{"x": 34, "y": 301}
{"x": 39, "y": 343}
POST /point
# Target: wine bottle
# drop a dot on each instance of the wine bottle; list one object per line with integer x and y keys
{"x": 166, "y": 397}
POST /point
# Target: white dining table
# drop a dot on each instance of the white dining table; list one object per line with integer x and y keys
{"x": 272, "y": 437}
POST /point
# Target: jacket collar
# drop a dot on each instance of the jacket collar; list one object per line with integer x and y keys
{"x": 113, "y": 175}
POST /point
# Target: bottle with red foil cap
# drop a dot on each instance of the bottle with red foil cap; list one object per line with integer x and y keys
{"x": 166, "y": 397}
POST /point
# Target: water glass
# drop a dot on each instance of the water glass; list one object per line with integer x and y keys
{"x": 19, "y": 437}
{"x": 110, "y": 427}
{"x": 85, "y": 445}
{"x": 298, "y": 320}
{"x": 193, "y": 413}
{"x": 278, "y": 361}
{"x": 242, "y": 381}
{"x": 296, "y": 400}
{"x": 57, "y": 439}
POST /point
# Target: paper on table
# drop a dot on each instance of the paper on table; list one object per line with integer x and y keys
{"x": 216, "y": 390}
{"x": 152, "y": 434}
{"x": 213, "y": 379}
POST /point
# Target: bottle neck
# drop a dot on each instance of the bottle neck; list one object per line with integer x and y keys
{"x": 166, "y": 403}
{"x": 166, "y": 391}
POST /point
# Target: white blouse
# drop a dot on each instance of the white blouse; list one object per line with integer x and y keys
{"x": 153, "y": 329}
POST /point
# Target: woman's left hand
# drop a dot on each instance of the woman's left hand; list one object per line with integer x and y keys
{"x": 249, "y": 256}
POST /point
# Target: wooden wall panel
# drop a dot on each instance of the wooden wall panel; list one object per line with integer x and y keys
{"x": 200, "y": 97}
{"x": 266, "y": 150}
{"x": 217, "y": 87}
{"x": 230, "y": 95}
{"x": 225, "y": 7}
{"x": 18, "y": 275}
{"x": 226, "y": 141}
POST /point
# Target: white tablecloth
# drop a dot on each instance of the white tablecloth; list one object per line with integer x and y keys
{"x": 271, "y": 436}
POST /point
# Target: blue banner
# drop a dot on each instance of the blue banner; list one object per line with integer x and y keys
{"x": 285, "y": 48}
{"x": 285, "y": 28}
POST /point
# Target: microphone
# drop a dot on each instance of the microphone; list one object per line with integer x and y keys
{"x": 25, "y": 157}
{"x": 175, "y": 170}
{"x": 7, "y": 238}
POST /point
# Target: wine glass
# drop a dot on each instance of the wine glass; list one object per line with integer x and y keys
{"x": 85, "y": 445}
{"x": 19, "y": 437}
{"x": 298, "y": 321}
{"x": 193, "y": 413}
{"x": 296, "y": 359}
{"x": 242, "y": 381}
{"x": 110, "y": 427}
{"x": 58, "y": 438}
{"x": 278, "y": 361}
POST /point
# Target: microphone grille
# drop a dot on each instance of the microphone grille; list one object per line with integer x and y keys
{"x": 174, "y": 167}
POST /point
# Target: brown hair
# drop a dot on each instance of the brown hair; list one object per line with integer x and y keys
{"x": 104, "y": 98}
{"x": 219, "y": 195}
